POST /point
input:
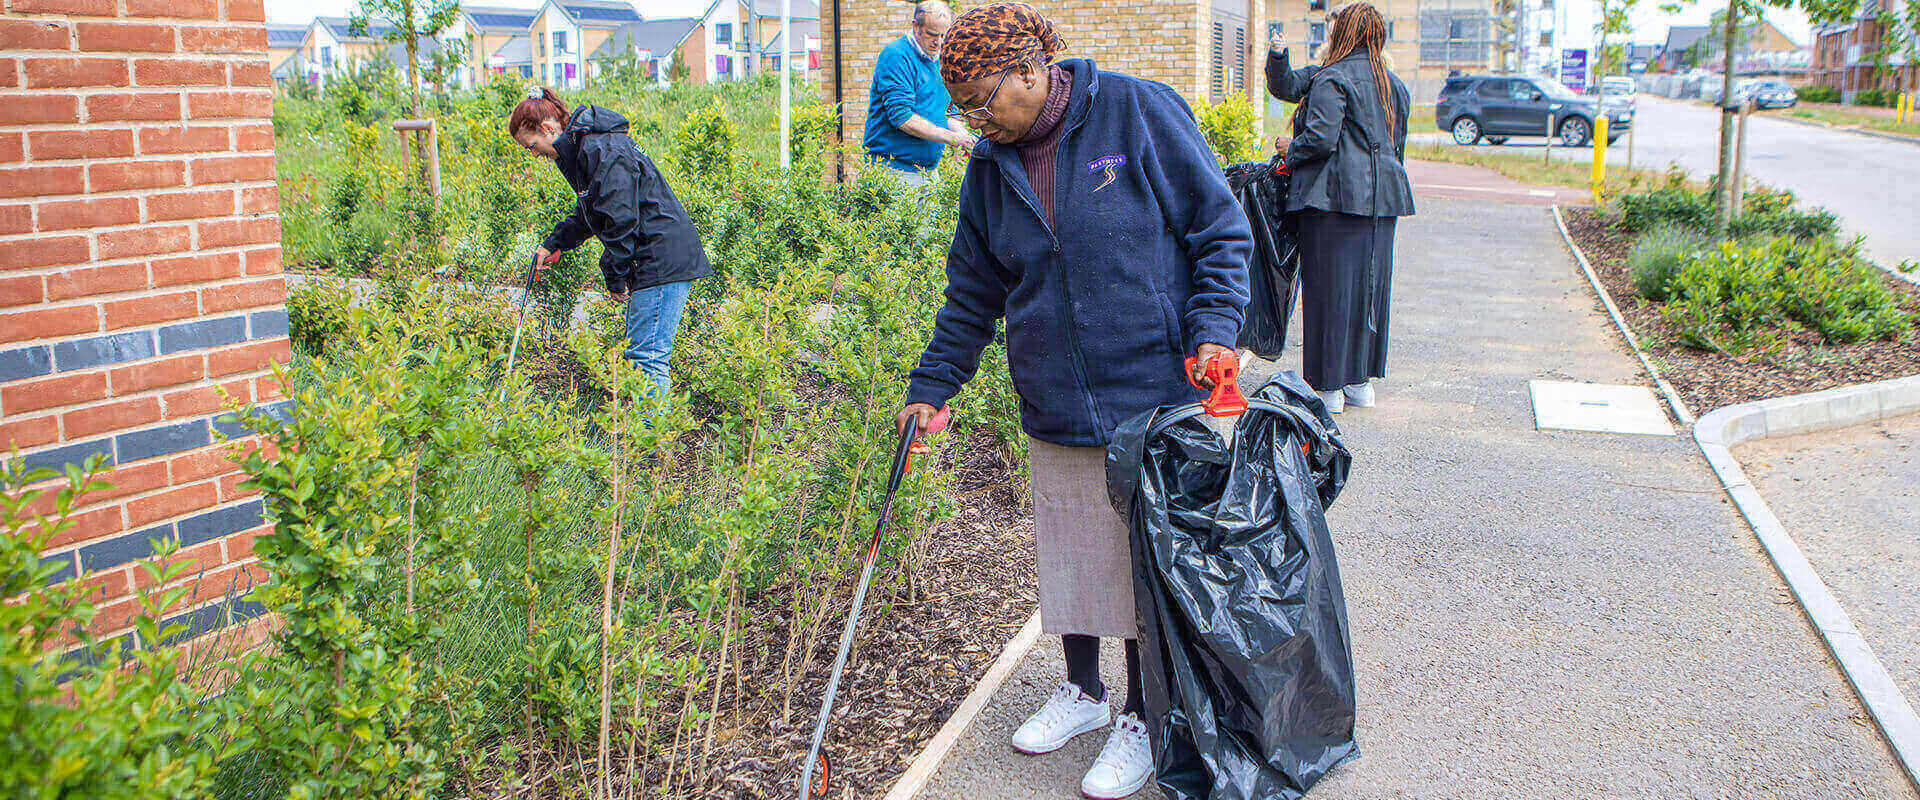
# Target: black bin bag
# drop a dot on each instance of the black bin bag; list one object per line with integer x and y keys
{"x": 1272, "y": 268}
{"x": 1244, "y": 654}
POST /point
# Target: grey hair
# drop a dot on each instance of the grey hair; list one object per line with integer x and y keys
{"x": 926, "y": 8}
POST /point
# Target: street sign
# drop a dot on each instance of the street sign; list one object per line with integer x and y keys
{"x": 1573, "y": 68}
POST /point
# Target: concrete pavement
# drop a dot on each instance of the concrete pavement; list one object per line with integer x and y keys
{"x": 1535, "y": 615}
{"x": 1851, "y": 498}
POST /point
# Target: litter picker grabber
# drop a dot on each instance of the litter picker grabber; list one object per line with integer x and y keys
{"x": 810, "y": 785}
{"x": 519, "y": 323}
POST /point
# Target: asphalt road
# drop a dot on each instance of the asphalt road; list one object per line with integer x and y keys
{"x": 1535, "y": 615}
{"x": 1872, "y": 184}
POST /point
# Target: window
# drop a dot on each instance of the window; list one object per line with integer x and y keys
{"x": 1316, "y": 36}
{"x": 543, "y": 72}
{"x": 540, "y": 46}
{"x": 326, "y": 57}
{"x": 559, "y": 41}
{"x": 723, "y": 33}
{"x": 526, "y": 71}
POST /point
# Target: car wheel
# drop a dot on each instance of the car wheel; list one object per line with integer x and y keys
{"x": 1575, "y": 132}
{"x": 1496, "y": 140}
{"x": 1466, "y": 130}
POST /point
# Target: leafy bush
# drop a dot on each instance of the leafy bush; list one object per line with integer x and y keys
{"x": 1816, "y": 93}
{"x": 130, "y": 718}
{"x": 703, "y": 146}
{"x": 1231, "y": 128}
{"x": 1879, "y": 98}
{"x": 1816, "y": 224}
{"x": 1673, "y": 205}
{"x": 1737, "y": 298}
{"x": 1658, "y": 255}
{"x": 1765, "y": 212}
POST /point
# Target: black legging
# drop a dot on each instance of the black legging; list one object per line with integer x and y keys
{"x": 1083, "y": 670}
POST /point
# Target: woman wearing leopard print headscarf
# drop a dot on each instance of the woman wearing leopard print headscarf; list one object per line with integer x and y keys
{"x": 1095, "y": 220}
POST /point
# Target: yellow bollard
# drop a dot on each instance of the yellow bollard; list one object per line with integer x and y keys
{"x": 1600, "y": 158}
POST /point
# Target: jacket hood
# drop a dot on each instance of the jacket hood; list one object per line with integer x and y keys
{"x": 594, "y": 119}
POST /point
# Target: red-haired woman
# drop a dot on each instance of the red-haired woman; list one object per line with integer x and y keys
{"x": 652, "y": 253}
{"x": 1348, "y": 189}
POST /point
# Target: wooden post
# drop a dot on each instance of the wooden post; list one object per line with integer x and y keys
{"x": 430, "y": 129}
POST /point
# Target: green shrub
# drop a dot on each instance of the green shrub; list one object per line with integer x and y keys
{"x": 1658, "y": 255}
{"x": 1671, "y": 205}
{"x": 1737, "y": 298}
{"x": 1816, "y": 224}
{"x": 1819, "y": 94}
{"x": 1231, "y": 129}
{"x": 703, "y": 146}
{"x": 1878, "y": 98}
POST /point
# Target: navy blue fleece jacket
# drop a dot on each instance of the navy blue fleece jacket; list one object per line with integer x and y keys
{"x": 1147, "y": 261}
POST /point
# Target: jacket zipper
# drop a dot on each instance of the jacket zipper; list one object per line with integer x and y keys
{"x": 1073, "y": 335}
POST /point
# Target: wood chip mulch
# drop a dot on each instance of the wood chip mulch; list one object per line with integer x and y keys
{"x": 1708, "y": 380}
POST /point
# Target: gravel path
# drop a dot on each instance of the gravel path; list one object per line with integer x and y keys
{"x": 1536, "y": 615}
{"x": 1851, "y": 498}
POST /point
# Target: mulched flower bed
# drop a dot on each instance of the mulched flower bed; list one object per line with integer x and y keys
{"x": 1708, "y": 380}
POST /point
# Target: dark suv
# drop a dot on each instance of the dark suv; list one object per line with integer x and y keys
{"x": 1495, "y": 107}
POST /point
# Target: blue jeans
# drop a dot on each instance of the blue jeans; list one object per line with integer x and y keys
{"x": 653, "y": 317}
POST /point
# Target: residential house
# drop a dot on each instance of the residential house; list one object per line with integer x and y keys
{"x": 1844, "y": 55}
{"x": 329, "y": 47}
{"x": 283, "y": 50}
{"x": 1680, "y": 38}
{"x": 482, "y": 33}
{"x": 514, "y": 57}
{"x": 763, "y": 33}
{"x": 652, "y": 45}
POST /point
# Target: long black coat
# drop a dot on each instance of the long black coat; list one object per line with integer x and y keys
{"x": 1347, "y": 159}
{"x": 624, "y": 200}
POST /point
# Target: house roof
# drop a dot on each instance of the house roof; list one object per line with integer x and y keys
{"x": 801, "y": 32}
{"x": 658, "y": 36}
{"x": 599, "y": 13}
{"x": 339, "y": 26}
{"x": 285, "y": 35}
{"x": 1681, "y": 37}
{"x": 518, "y": 50}
{"x": 288, "y": 67}
{"x": 493, "y": 19}
{"x": 802, "y": 9}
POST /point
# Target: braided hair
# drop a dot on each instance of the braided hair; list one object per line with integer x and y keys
{"x": 1358, "y": 26}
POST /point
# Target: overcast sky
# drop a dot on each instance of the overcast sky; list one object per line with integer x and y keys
{"x": 1650, "y": 23}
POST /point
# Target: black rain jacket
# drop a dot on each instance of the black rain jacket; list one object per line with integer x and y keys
{"x": 624, "y": 200}
{"x": 1347, "y": 159}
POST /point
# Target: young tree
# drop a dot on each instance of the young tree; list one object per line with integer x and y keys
{"x": 1615, "y": 20}
{"x": 411, "y": 23}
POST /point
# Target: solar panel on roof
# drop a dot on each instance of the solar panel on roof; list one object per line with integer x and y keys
{"x": 502, "y": 20}
{"x": 618, "y": 14}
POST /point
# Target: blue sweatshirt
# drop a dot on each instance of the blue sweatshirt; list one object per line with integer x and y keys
{"x": 1148, "y": 261}
{"x": 905, "y": 83}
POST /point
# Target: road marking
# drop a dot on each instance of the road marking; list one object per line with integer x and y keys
{"x": 1528, "y": 192}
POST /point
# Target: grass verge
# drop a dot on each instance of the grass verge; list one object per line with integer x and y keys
{"x": 1857, "y": 117}
{"x": 1530, "y": 167}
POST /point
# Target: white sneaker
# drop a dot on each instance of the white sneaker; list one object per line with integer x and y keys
{"x": 1124, "y": 765}
{"x": 1068, "y": 713}
{"x": 1360, "y": 394}
{"x": 1335, "y": 402}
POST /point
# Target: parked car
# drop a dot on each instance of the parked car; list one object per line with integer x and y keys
{"x": 1767, "y": 94}
{"x": 1498, "y": 107}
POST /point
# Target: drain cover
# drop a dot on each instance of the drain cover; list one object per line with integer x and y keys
{"x": 1597, "y": 407}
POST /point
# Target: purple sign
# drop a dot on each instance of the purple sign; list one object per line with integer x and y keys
{"x": 1573, "y": 69}
{"x": 570, "y": 72}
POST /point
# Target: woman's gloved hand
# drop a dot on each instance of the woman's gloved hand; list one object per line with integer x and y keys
{"x": 1200, "y": 357}
{"x": 542, "y": 259}
{"x": 930, "y": 420}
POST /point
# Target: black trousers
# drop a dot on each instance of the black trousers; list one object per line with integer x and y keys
{"x": 1343, "y": 259}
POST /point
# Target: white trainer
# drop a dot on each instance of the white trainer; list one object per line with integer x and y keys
{"x": 1335, "y": 402}
{"x": 1359, "y": 395}
{"x": 1124, "y": 765}
{"x": 1068, "y": 713}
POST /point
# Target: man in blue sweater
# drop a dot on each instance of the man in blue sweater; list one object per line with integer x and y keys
{"x": 907, "y": 96}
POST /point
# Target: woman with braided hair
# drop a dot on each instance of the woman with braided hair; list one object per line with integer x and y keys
{"x": 1348, "y": 189}
{"x": 1095, "y": 220}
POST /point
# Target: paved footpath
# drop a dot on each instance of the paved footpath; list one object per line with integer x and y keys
{"x": 1535, "y": 615}
{"x": 1851, "y": 498}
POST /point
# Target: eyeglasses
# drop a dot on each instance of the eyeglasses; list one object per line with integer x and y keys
{"x": 980, "y": 114}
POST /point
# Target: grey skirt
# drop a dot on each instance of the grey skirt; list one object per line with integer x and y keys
{"x": 1086, "y": 564}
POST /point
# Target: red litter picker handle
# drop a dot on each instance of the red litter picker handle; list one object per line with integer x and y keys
{"x": 1223, "y": 369}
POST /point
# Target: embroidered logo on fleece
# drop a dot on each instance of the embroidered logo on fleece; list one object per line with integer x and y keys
{"x": 1106, "y": 164}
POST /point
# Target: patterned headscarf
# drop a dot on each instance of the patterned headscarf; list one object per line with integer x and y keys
{"x": 994, "y": 38}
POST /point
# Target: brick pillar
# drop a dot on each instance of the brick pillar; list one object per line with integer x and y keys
{"x": 140, "y": 277}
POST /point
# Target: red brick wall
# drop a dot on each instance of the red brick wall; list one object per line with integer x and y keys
{"x": 140, "y": 277}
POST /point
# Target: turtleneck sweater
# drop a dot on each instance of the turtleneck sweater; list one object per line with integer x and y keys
{"x": 1043, "y": 139}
